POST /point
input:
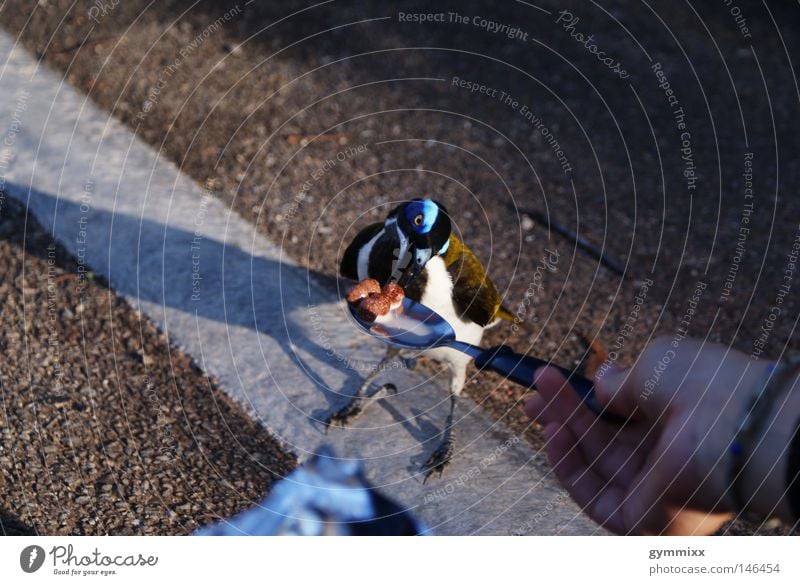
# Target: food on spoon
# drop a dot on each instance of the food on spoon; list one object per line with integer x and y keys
{"x": 374, "y": 306}
{"x": 362, "y": 290}
{"x": 394, "y": 292}
{"x": 372, "y": 301}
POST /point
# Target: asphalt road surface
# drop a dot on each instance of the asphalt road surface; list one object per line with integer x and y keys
{"x": 675, "y": 152}
{"x": 106, "y": 428}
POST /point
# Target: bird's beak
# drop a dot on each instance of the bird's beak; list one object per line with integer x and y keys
{"x": 419, "y": 258}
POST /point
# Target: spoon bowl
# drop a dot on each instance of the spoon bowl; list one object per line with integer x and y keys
{"x": 413, "y": 325}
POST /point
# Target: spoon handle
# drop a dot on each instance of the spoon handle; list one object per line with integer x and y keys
{"x": 521, "y": 368}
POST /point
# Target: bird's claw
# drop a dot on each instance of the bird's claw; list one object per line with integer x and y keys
{"x": 346, "y": 414}
{"x": 440, "y": 458}
{"x": 353, "y": 409}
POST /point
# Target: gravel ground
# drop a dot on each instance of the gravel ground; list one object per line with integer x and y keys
{"x": 356, "y": 115}
{"x": 106, "y": 428}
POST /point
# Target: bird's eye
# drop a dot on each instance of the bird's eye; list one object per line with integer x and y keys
{"x": 418, "y": 219}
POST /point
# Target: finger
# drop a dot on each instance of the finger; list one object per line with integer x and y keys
{"x": 651, "y": 495}
{"x": 659, "y": 501}
{"x": 534, "y": 407}
{"x": 600, "y": 485}
{"x": 590, "y": 490}
{"x": 567, "y": 407}
{"x": 618, "y": 453}
{"x": 561, "y": 402}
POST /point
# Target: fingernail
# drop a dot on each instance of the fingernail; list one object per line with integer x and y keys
{"x": 530, "y": 407}
{"x": 608, "y": 371}
{"x": 608, "y": 377}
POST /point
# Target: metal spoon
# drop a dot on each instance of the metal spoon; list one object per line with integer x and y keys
{"x": 415, "y": 326}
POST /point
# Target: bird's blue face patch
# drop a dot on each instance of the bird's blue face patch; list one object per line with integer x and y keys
{"x": 422, "y": 215}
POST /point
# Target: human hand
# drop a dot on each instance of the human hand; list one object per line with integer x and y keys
{"x": 665, "y": 471}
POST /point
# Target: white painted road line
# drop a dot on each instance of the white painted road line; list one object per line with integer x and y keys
{"x": 279, "y": 343}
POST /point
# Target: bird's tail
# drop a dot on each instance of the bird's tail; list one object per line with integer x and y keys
{"x": 506, "y": 315}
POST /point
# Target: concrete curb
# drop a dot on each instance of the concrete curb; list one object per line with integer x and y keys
{"x": 279, "y": 343}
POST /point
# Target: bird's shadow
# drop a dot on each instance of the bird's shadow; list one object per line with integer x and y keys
{"x": 154, "y": 263}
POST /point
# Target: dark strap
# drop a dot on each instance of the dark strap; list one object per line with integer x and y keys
{"x": 793, "y": 472}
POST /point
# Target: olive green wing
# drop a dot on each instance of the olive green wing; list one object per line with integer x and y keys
{"x": 474, "y": 295}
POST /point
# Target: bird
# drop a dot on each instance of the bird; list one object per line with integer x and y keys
{"x": 326, "y": 496}
{"x": 416, "y": 247}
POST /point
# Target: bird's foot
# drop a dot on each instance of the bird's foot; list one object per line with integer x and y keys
{"x": 441, "y": 457}
{"x": 346, "y": 414}
{"x": 353, "y": 409}
{"x": 409, "y": 363}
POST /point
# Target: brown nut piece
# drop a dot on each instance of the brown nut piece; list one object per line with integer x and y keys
{"x": 375, "y": 305}
{"x": 362, "y": 290}
{"x": 394, "y": 292}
